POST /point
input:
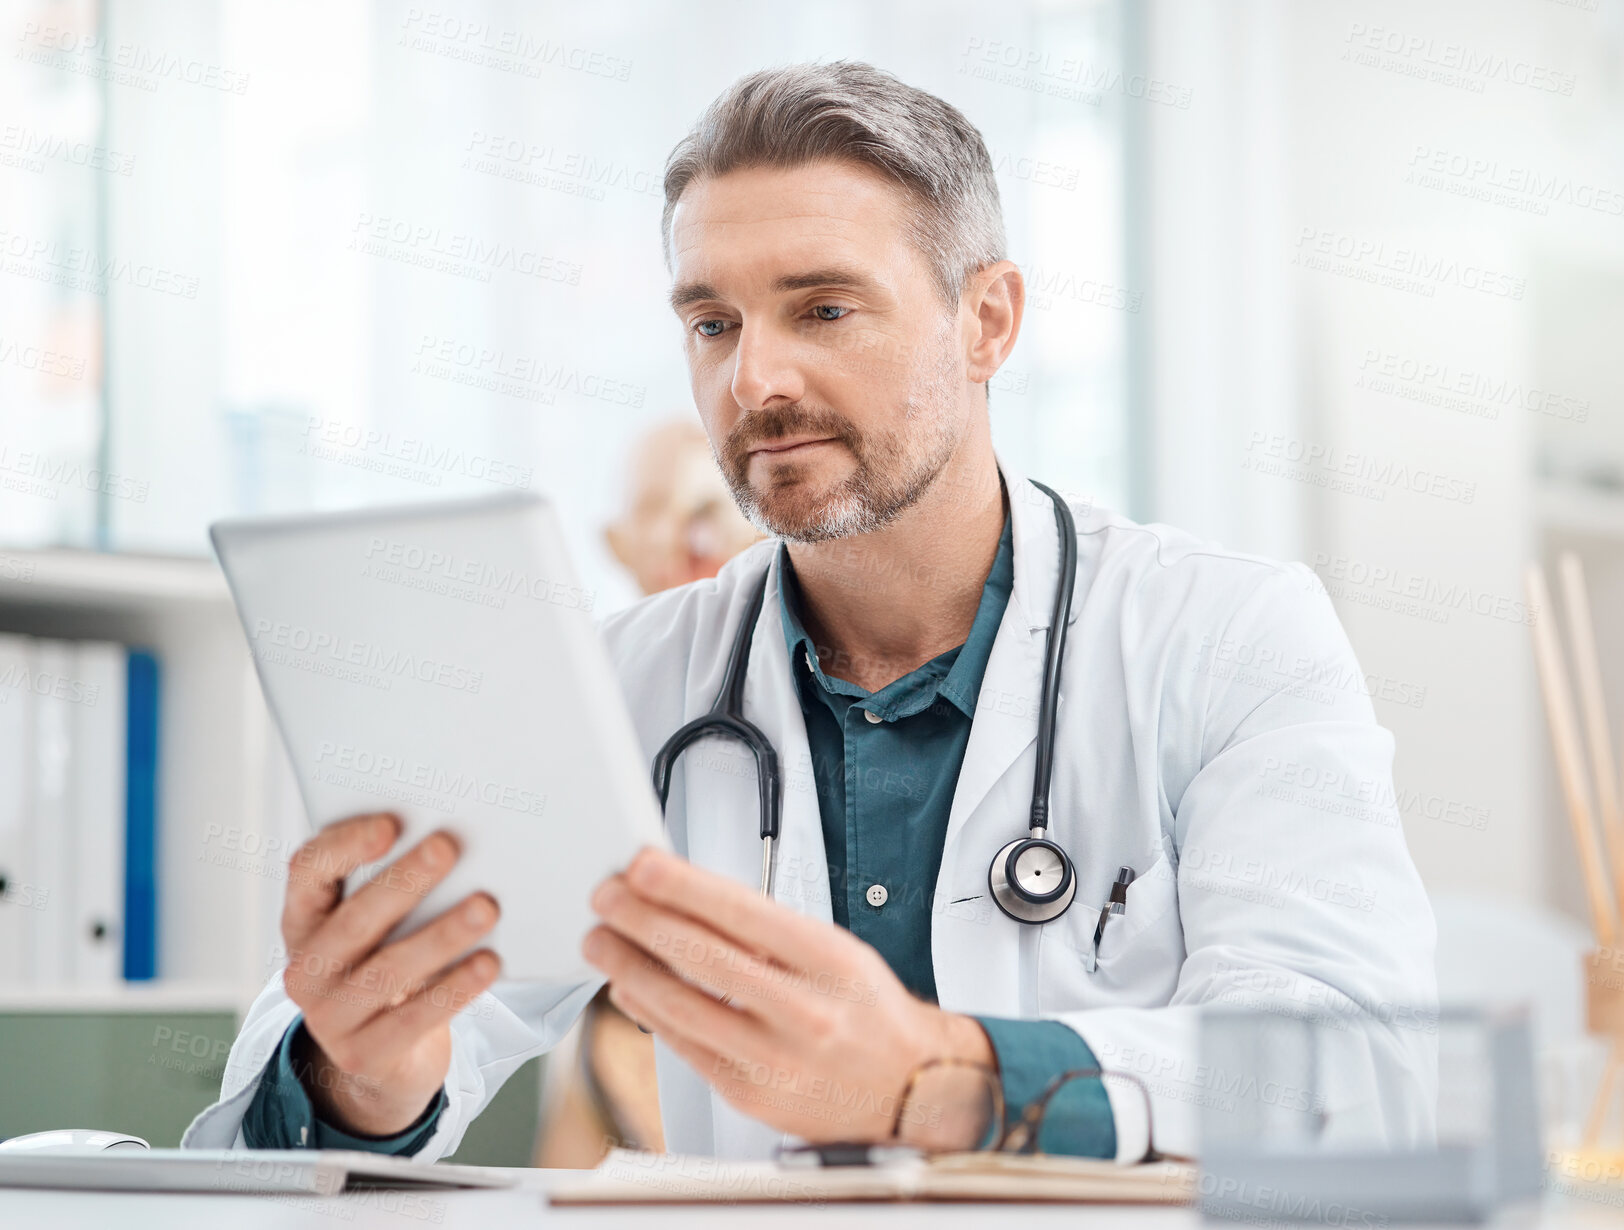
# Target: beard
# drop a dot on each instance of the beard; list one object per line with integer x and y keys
{"x": 894, "y": 468}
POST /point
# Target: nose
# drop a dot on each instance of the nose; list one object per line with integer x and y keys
{"x": 765, "y": 367}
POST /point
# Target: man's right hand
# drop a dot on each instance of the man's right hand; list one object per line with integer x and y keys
{"x": 378, "y": 1018}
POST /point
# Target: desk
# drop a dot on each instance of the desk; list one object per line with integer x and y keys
{"x": 524, "y": 1207}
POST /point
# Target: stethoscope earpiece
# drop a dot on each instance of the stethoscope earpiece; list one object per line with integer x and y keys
{"x": 1031, "y": 880}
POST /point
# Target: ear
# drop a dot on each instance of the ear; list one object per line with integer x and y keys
{"x": 992, "y": 305}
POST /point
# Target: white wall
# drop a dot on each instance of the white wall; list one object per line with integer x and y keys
{"x": 1310, "y": 129}
{"x": 411, "y": 120}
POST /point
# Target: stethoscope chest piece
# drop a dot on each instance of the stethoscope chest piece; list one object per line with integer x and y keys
{"x": 1032, "y": 881}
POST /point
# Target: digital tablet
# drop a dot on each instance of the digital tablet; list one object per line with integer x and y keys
{"x": 442, "y": 662}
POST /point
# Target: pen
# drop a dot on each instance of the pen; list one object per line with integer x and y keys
{"x": 1117, "y": 905}
{"x": 847, "y": 1155}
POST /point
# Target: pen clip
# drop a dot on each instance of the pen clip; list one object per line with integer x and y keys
{"x": 1118, "y": 904}
{"x": 1119, "y": 890}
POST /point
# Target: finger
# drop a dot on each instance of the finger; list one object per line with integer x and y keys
{"x": 397, "y": 1030}
{"x": 705, "y": 1060}
{"x": 746, "y": 1083}
{"x": 652, "y": 994}
{"x": 737, "y": 912}
{"x": 694, "y": 951}
{"x": 619, "y": 1002}
{"x": 715, "y": 1068}
{"x": 318, "y": 869}
{"x": 354, "y": 929}
{"x": 399, "y": 971}
{"x": 758, "y": 1089}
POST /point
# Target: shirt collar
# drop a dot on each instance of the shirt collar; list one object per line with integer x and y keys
{"x": 965, "y": 665}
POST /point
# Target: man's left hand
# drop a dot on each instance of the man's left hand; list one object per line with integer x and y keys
{"x": 793, "y": 1020}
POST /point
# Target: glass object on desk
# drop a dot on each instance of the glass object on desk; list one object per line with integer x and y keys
{"x": 1381, "y": 1116}
{"x": 1267, "y": 1081}
{"x": 953, "y": 1106}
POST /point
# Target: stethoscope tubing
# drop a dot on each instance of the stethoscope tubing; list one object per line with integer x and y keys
{"x": 726, "y": 718}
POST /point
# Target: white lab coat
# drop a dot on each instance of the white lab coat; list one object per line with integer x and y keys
{"x": 1214, "y": 734}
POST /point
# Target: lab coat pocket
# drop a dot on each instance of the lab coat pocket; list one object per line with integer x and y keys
{"x": 1139, "y": 954}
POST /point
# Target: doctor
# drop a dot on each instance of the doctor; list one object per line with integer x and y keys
{"x": 840, "y": 276}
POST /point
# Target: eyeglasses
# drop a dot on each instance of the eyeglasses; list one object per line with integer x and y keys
{"x": 951, "y": 1105}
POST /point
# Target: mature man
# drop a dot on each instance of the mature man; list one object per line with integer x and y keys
{"x": 837, "y": 251}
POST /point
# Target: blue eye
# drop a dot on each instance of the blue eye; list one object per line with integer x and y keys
{"x": 829, "y": 307}
{"x": 703, "y": 328}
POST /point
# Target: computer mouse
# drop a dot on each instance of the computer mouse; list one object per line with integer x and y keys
{"x": 71, "y": 1140}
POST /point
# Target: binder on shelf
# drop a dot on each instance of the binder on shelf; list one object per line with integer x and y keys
{"x": 96, "y": 939}
{"x": 51, "y": 684}
{"x": 141, "y": 817}
{"x": 78, "y": 813}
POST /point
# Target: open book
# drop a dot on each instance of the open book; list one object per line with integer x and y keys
{"x": 628, "y": 1177}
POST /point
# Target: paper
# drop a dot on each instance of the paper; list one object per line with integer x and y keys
{"x": 629, "y": 1177}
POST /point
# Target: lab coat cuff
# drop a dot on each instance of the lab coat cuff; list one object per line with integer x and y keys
{"x": 1130, "y": 1112}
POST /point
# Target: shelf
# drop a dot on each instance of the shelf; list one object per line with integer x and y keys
{"x": 1593, "y": 512}
{"x": 156, "y": 996}
{"x": 216, "y": 751}
{"x": 69, "y": 577}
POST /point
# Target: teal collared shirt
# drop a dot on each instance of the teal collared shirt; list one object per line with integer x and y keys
{"x": 886, "y": 765}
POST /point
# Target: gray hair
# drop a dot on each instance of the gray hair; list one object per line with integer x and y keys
{"x": 788, "y": 117}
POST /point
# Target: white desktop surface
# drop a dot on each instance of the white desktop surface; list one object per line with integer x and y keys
{"x": 524, "y": 1206}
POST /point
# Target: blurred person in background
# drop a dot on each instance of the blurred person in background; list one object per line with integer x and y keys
{"x": 680, "y": 522}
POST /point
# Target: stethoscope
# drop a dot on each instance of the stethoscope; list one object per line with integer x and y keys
{"x": 1031, "y": 878}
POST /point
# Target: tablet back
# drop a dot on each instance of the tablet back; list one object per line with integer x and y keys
{"x": 442, "y": 662}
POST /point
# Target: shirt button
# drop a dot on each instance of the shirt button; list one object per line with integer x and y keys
{"x": 876, "y": 720}
{"x": 877, "y": 895}
{"x": 807, "y": 654}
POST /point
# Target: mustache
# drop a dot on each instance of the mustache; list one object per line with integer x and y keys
{"x": 782, "y": 423}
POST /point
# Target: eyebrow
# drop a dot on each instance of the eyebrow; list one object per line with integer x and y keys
{"x": 843, "y": 277}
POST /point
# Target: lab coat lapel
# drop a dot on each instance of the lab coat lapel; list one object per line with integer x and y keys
{"x": 984, "y": 960}
{"x": 1007, "y": 707}
{"x": 721, "y": 802}
{"x": 801, "y": 879}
